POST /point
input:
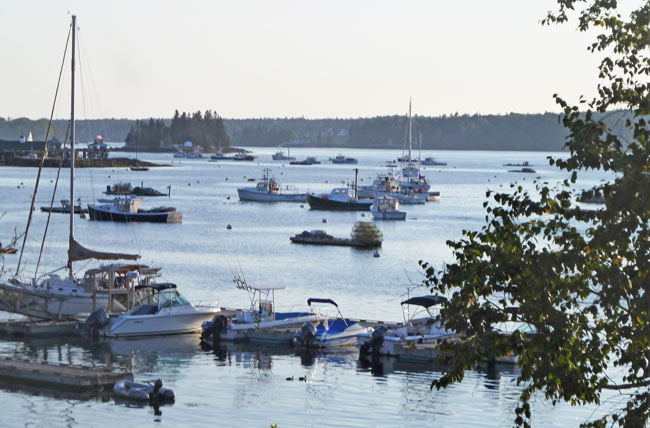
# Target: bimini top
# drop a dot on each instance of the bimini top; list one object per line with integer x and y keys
{"x": 425, "y": 301}
{"x": 266, "y": 287}
{"x": 315, "y": 300}
{"x": 158, "y": 287}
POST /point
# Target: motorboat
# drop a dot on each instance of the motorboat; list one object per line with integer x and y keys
{"x": 421, "y": 326}
{"x": 269, "y": 190}
{"x": 383, "y": 185}
{"x": 159, "y": 310}
{"x": 342, "y": 159}
{"x": 128, "y": 209}
{"x": 524, "y": 170}
{"x": 242, "y": 156}
{"x": 525, "y": 164}
{"x": 280, "y": 156}
{"x": 261, "y": 323}
{"x": 218, "y": 156}
{"x": 50, "y": 296}
{"x": 387, "y": 208}
{"x": 310, "y": 160}
{"x": 340, "y": 199}
{"x": 432, "y": 162}
{"x": 330, "y": 332}
{"x": 127, "y": 189}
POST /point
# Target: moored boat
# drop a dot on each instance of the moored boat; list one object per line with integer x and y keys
{"x": 387, "y": 208}
{"x": 269, "y": 190}
{"x": 128, "y": 209}
{"x": 343, "y": 159}
{"x": 159, "y": 310}
{"x": 261, "y": 323}
{"x": 330, "y": 332}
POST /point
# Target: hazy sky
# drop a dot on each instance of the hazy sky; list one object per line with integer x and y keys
{"x": 348, "y": 58}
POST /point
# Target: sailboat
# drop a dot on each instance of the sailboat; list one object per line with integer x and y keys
{"x": 52, "y": 297}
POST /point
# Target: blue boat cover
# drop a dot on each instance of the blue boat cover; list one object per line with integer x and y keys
{"x": 335, "y": 326}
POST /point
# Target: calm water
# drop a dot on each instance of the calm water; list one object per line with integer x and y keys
{"x": 244, "y": 386}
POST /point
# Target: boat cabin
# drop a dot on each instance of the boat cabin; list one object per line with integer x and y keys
{"x": 153, "y": 298}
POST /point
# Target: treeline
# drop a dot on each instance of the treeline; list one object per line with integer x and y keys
{"x": 541, "y": 132}
{"x": 204, "y": 130}
{"x": 111, "y": 129}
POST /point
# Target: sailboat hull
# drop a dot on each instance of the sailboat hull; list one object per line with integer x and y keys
{"x": 43, "y": 304}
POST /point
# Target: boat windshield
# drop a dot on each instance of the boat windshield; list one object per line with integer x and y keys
{"x": 171, "y": 298}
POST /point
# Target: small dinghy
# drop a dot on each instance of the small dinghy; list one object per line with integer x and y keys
{"x": 153, "y": 393}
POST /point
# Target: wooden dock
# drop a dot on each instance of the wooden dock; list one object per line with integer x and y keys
{"x": 37, "y": 328}
{"x": 65, "y": 376}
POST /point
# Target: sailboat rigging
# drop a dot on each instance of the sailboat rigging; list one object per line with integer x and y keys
{"x": 54, "y": 297}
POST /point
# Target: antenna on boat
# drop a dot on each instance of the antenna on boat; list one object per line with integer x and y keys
{"x": 73, "y": 136}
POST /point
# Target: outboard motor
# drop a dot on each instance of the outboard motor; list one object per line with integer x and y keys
{"x": 306, "y": 336}
{"x": 95, "y": 322}
{"x": 213, "y": 329}
{"x": 373, "y": 346}
{"x": 160, "y": 395}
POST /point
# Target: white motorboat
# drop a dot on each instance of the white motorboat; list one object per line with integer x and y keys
{"x": 49, "y": 296}
{"x": 281, "y": 156}
{"x": 269, "y": 190}
{"x": 387, "y": 208}
{"x": 330, "y": 332}
{"x": 160, "y": 309}
{"x": 261, "y": 323}
{"x": 429, "y": 161}
{"x": 417, "y": 329}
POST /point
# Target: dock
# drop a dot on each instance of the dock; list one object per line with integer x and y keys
{"x": 37, "y": 328}
{"x": 64, "y": 376}
{"x": 330, "y": 240}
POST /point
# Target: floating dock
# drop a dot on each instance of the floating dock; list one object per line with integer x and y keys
{"x": 37, "y": 328}
{"x": 66, "y": 376}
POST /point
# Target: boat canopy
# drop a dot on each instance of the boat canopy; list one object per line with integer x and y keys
{"x": 425, "y": 301}
{"x": 316, "y": 300}
{"x": 77, "y": 252}
{"x": 266, "y": 287}
{"x": 158, "y": 287}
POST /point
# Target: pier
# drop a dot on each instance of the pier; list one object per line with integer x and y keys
{"x": 66, "y": 376}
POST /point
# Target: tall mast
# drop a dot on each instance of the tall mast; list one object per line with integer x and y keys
{"x": 73, "y": 136}
{"x": 410, "y": 135}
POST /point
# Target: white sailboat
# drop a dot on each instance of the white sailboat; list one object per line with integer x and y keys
{"x": 53, "y": 297}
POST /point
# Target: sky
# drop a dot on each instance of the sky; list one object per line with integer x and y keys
{"x": 292, "y": 58}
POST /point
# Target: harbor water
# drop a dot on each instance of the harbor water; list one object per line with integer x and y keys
{"x": 239, "y": 385}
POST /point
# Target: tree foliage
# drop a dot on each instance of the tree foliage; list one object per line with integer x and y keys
{"x": 206, "y": 130}
{"x": 578, "y": 276}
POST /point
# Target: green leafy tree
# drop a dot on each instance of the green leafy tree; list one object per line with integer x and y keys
{"x": 578, "y": 276}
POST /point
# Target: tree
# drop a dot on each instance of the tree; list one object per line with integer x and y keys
{"x": 577, "y": 276}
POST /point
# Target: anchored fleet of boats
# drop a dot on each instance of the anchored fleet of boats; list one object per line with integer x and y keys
{"x": 126, "y": 299}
